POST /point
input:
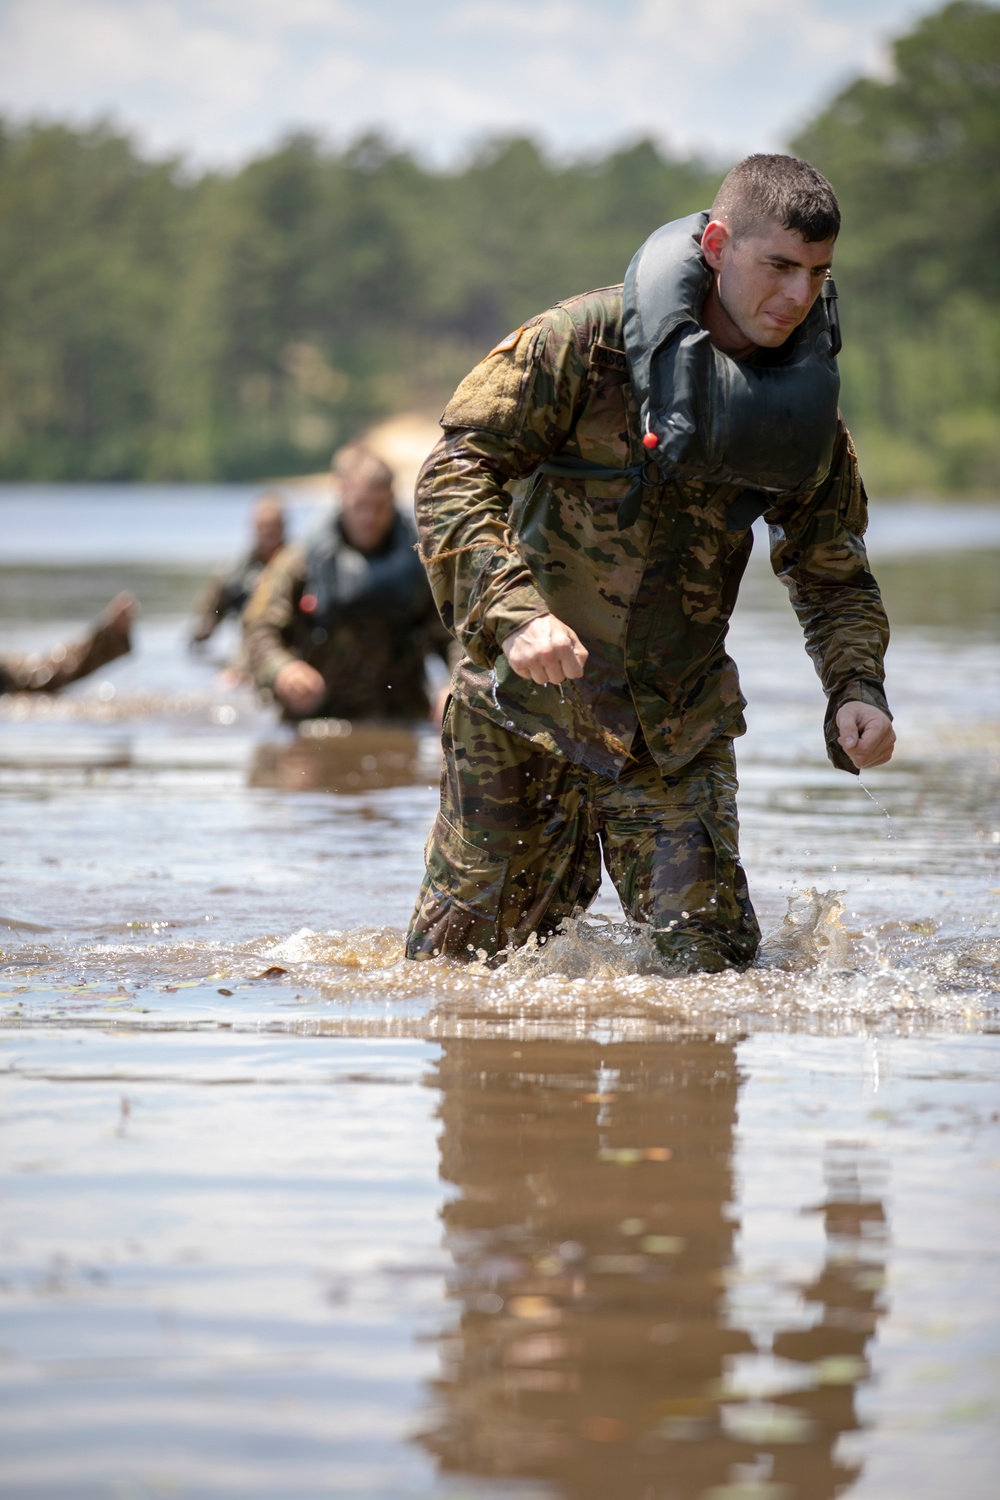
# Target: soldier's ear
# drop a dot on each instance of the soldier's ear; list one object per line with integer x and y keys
{"x": 714, "y": 241}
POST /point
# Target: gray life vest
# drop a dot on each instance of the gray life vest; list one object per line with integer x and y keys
{"x": 240, "y": 584}
{"x": 768, "y": 426}
{"x": 342, "y": 583}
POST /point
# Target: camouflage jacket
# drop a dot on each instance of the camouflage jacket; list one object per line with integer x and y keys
{"x": 504, "y": 541}
{"x": 225, "y": 594}
{"x": 372, "y": 660}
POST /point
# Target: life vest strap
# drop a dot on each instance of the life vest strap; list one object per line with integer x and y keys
{"x": 569, "y": 466}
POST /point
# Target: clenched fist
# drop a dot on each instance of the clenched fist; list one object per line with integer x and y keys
{"x": 546, "y": 650}
{"x": 299, "y": 687}
{"x": 865, "y": 734}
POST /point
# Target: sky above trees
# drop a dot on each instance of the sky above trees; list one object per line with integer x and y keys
{"x": 218, "y": 80}
{"x": 156, "y": 323}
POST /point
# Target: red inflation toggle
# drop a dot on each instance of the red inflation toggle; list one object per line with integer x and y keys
{"x": 308, "y": 603}
{"x": 650, "y": 440}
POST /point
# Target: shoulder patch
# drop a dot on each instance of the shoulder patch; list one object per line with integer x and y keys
{"x": 494, "y": 395}
{"x": 603, "y": 358}
{"x": 507, "y": 343}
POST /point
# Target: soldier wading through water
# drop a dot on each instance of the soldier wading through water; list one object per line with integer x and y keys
{"x": 585, "y": 523}
{"x": 342, "y": 625}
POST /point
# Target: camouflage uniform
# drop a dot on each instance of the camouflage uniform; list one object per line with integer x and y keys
{"x": 226, "y": 594}
{"x": 48, "y": 671}
{"x": 669, "y": 839}
{"x": 371, "y": 657}
{"x": 507, "y": 537}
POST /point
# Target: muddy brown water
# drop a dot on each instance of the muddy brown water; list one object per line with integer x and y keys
{"x": 284, "y": 1216}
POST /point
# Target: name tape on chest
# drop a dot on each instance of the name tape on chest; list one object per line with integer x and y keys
{"x": 603, "y": 358}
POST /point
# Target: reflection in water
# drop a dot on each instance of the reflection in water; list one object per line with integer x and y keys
{"x": 199, "y": 1295}
{"x": 335, "y": 755}
{"x": 592, "y": 1237}
{"x": 847, "y": 1295}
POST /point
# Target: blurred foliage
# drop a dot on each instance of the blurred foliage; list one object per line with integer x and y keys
{"x": 156, "y": 325}
{"x": 916, "y": 165}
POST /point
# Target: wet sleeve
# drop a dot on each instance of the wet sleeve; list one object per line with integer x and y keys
{"x": 818, "y": 553}
{"x": 49, "y": 671}
{"x": 268, "y": 619}
{"x": 515, "y": 409}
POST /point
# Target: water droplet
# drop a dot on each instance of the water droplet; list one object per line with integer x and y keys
{"x": 871, "y": 796}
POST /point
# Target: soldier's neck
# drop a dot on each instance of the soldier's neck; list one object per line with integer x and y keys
{"x": 721, "y": 329}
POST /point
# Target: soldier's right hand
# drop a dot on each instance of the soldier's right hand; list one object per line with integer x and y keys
{"x": 299, "y": 687}
{"x": 546, "y": 650}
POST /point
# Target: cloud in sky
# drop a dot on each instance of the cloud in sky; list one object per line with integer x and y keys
{"x": 220, "y": 79}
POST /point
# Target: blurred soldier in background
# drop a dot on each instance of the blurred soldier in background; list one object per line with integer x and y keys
{"x": 228, "y": 592}
{"x": 340, "y": 627}
{"x": 48, "y": 671}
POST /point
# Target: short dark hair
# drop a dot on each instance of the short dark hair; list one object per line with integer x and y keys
{"x": 781, "y": 190}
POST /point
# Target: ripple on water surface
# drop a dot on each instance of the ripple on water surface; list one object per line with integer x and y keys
{"x": 814, "y": 972}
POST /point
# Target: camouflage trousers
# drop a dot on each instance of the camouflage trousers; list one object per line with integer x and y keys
{"x": 516, "y": 849}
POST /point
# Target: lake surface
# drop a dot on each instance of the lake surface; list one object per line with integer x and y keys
{"x": 282, "y": 1215}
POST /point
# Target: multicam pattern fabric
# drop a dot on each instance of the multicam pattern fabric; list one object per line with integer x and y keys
{"x": 516, "y": 849}
{"x": 638, "y": 753}
{"x": 226, "y": 594}
{"x": 373, "y": 665}
{"x": 48, "y": 671}
{"x": 504, "y": 544}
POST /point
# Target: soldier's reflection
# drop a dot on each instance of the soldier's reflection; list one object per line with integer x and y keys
{"x": 590, "y": 1236}
{"x": 337, "y": 756}
{"x": 849, "y": 1301}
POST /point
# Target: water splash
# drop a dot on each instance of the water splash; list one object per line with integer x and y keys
{"x": 494, "y": 684}
{"x": 596, "y": 977}
{"x": 811, "y": 932}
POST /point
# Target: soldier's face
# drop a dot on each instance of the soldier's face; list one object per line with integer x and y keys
{"x": 269, "y": 533}
{"x": 767, "y": 283}
{"x": 367, "y": 512}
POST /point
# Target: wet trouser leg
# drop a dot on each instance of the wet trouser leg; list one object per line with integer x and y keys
{"x": 511, "y": 852}
{"x": 671, "y": 845}
{"x": 514, "y": 849}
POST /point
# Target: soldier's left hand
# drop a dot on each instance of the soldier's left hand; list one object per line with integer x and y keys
{"x": 865, "y": 734}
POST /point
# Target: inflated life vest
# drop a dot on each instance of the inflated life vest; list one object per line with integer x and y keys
{"x": 767, "y": 426}
{"x": 340, "y": 581}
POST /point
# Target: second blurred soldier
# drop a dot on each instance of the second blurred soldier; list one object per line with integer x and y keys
{"x": 228, "y": 592}
{"x": 341, "y": 625}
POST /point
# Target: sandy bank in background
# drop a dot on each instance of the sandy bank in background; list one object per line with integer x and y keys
{"x": 404, "y": 442}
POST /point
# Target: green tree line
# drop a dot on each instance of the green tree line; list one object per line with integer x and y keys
{"x": 155, "y": 324}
